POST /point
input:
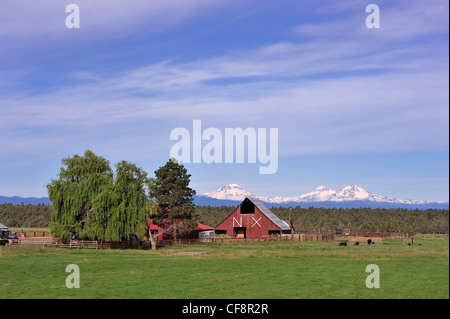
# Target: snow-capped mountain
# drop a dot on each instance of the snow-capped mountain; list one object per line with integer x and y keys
{"x": 320, "y": 194}
{"x": 230, "y": 192}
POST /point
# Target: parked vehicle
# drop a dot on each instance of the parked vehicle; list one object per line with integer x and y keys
{"x": 4, "y": 233}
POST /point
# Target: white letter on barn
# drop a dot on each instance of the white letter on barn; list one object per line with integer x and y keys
{"x": 256, "y": 222}
{"x": 239, "y": 223}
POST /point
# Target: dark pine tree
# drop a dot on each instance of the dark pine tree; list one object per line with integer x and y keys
{"x": 170, "y": 188}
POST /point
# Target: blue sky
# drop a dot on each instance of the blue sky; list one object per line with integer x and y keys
{"x": 352, "y": 105}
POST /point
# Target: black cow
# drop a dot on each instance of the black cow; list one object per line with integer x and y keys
{"x": 342, "y": 244}
{"x": 357, "y": 243}
{"x": 369, "y": 241}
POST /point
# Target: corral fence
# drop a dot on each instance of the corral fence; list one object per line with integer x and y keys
{"x": 81, "y": 244}
{"x": 144, "y": 244}
{"x": 328, "y": 236}
{"x": 51, "y": 242}
{"x": 265, "y": 238}
{"x": 357, "y": 233}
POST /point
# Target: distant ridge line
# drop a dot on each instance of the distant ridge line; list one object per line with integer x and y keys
{"x": 209, "y": 201}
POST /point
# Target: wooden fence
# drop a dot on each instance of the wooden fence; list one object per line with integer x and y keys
{"x": 32, "y": 241}
{"x": 284, "y": 237}
{"x": 145, "y": 244}
{"x": 357, "y": 233}
{"x": 81, "y": 244}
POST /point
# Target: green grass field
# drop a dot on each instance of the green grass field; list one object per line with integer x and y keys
{"x": 248, "y": 270}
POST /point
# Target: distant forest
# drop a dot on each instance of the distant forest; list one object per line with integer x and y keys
{"x": 25, "y": 215}
{"x": 363, "y": 219}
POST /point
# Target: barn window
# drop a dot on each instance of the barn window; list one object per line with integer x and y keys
{"x": 247, "y": 207}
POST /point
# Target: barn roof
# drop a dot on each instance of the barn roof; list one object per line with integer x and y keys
{"x": 266, "y": 211}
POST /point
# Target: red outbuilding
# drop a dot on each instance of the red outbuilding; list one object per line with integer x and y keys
{"x": 252, "y": 219}
{"x": 193, "y": 234}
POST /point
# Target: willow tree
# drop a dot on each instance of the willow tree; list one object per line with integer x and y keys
{"x": 90, "y": 202}
{"x": 174, "y": 198}
{"x": 131, "y": 210}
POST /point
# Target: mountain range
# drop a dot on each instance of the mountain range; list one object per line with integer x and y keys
{"x": 320, "y": 194}
{"x": 232, "y": 195}
{"x": 349, "y": 196}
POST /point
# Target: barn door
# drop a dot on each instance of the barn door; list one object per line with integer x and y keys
{"x": 240, "y": 232}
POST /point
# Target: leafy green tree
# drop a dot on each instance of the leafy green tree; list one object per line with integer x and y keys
{"x": 130, "y": 214}
{"x": 89, "y": 202}
{"x": 80, "y": 181}
{"x": 170, "y": 188}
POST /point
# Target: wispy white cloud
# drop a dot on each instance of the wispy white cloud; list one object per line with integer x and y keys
{"x": 339, "y": 91}
{"x": 330, "y": 85}
{"x": 390, "y": 111}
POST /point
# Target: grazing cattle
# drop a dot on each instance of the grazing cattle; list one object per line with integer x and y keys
{"x": 369, "y": 241}
{"x": 357, "y": 243}
{"x": 342, "y": 244}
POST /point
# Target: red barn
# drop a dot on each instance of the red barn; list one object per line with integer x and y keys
{"x": 252, "y": 219}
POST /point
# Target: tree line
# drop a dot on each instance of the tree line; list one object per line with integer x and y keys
{"x": 37, "y": 216}
{"x": 363, "y": 219}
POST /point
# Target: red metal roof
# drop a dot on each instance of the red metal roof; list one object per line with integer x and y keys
{"x": 203, "y": 227}
{"x": 156, "y": 227}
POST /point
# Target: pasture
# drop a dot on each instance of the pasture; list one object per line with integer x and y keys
{"x": 275, "y": 270}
